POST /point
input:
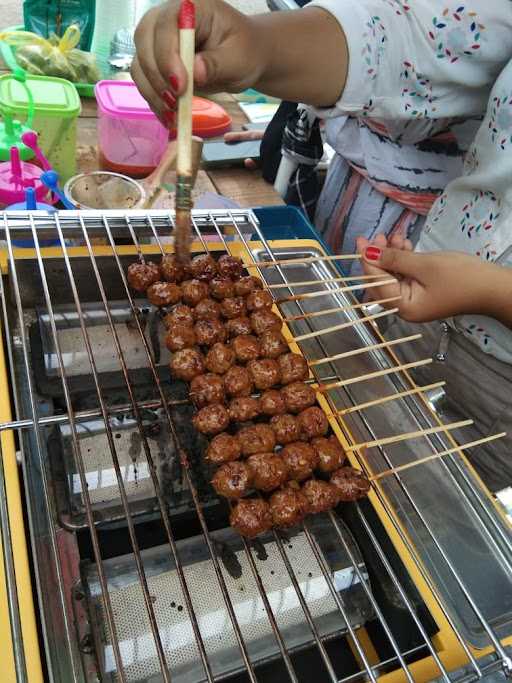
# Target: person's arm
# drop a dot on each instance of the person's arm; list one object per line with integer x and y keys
{"x": 441, "y": 284}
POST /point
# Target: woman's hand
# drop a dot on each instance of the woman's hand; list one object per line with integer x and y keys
{"x": 228, "y": 55}
{"x": 438, "y": 285}
{"x": 300, "y": 56}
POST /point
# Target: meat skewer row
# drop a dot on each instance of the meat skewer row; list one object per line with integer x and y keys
{"x": 264, "y": 469}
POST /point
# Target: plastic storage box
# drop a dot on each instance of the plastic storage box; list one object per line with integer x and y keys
{"x": 56, "y": 109}
{"x": 132, "y": 139}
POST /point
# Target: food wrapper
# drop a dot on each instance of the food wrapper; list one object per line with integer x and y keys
{"x": 53, "y": 56}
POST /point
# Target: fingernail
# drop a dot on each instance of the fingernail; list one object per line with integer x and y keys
{"x": 169, "y": 99}
{"x": 174, "y": 82}
{"x": 373, "y": 253}
{"x": 169, "y": 118}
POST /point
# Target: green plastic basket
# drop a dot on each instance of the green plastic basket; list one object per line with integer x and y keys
{"x": 8, "y": 55}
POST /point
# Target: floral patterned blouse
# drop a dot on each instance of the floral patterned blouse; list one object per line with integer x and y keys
{"x": 423, "y": 62}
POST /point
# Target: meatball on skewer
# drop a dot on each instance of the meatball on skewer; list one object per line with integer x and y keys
{"x": 265, "y": 320}
{"x": 179, "y": 315}
{"x": 288, "y": 507}
{"x": 140, "y": 276}
{"x": 194, "y": 291}
{"x": 222, "y": 288}
{"x": 206, "y": 389}
{"x": 220, "y": 358}
{"x": 230, "y": 266}
{"x": 164, "y": 293}
{"x": 232, "y": 479}
{"x": 313, "y": 422}
{"x": 203, "y": 267}
{"x": 258, "y": 438}
{"x": 350, "y": 483}
{"x": 244, "y": 408}
{"x": 272, "y": 402}
{"x": 246, "y": 347}
{"x": 294, "y": 368}
{"x": 246, "y": 285}
{"x": 209, "y": 332}
{"x": 268, "y": 471}
{"x": 207, "y": 309}
{"x": 233, "y": 307}
{"x": 258, "y": 300}
{"x": 173, "y": 270}
{"x": 180, "y": 337}
{"x": 298, "y": 396}
{"x": 223, "y": 448}
{"x": 331, "y": 455}
{"x": 265, "y": 373}
{"x": 187, "y": 364}
{"x": 238, "y": 382}
{"x": 273, "y": 344}
{"x": 322, "y": 496}
{"x": 286, "y": 428}
{"x": 212, "y": 419}
{"x": 251, "y": 517}
{"x": 236, "y": 326}
{"x": 301, "y": 459}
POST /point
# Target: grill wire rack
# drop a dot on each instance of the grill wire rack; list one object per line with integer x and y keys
{"x": 94, "y": 237}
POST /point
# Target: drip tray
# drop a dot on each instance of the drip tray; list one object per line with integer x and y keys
{"x": 132, "y": 624}
{"x": 97, "y": 459}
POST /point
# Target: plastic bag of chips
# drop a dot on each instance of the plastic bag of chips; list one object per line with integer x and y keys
{"x": 53, "y": 56}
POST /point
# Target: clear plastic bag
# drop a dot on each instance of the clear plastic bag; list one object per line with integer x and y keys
{"x": 54, "y": 56}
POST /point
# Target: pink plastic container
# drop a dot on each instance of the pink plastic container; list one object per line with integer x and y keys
{"x": 131, "y": 138}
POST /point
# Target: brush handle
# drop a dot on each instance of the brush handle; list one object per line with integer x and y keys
{"x": 184, "y": 164}
{"x": 184, "y": 134}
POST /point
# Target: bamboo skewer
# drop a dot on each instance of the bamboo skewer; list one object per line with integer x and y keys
{"x": 184, "y": 171}
{"x": 306, "y": 259}
{"x": 390, "y": 397}
{"x": 364, "y": 349}
{"x": 304, "y": 283}
{"x": 397, "y": 438}
{"x": 340, "y": 309}
{"x": 342, "y": 326}
{"x": 338, "y": 290}
{"x": 435, "y": 456}
{"x": 322, "y": 388}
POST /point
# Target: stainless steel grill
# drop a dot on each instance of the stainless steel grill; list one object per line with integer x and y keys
{"x": 106, "y": 450}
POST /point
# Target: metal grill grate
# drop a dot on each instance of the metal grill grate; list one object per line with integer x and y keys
{"x": 407, "y": 504}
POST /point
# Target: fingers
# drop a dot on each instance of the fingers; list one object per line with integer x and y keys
{"x": 380, "y": 241}
{"x": 242, "y": 136}
{"x": 398, "y": 261}
{"x": 146, "y": 45}
{"x": 146, "y": 90}
{"x": 170, "y": 68}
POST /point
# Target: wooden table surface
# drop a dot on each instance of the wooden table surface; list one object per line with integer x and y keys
{"x": 246, "y": 188}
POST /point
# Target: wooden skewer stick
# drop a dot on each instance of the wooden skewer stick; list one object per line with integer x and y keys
{"x": 342, "y": 309}
{"x": 342, "y": 326}
{"x": 338, "y": 290}
{"x": 390, "y": 397}
{"x": 306, "y": 259}
{"x": 304, "y": 283}
{"x": 435, "y": 456}
{"x": 184, "y": 171}
{"x": 365, "y": 349}
{"x": 409, "y": 435}
{"x": 323, "y": 388}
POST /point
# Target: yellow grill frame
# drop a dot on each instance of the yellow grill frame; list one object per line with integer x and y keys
{"x": 447, "y": 645}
